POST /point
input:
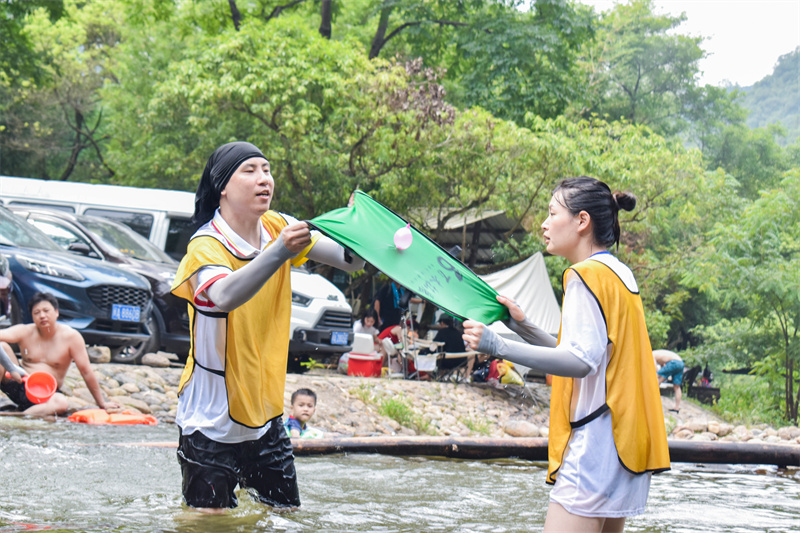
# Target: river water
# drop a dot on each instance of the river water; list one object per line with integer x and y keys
{"x": 66, "y": 477}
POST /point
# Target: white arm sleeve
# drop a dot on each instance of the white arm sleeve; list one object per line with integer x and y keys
{"x": 328, "y": 251}
{"x": 584, "y": 338}
{"x": 531, "y": 333}
{"x": 556, "y": 361}
{"x": 233, "y": 290}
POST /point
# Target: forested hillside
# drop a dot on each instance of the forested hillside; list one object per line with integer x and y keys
{"x": 776, "y": 98}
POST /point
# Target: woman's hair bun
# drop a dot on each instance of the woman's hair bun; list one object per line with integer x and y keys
{"x": 624, "y": 200}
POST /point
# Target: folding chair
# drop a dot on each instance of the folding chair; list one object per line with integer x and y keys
{"x": 457, "y": 372}
{"x": 391, "y": 352}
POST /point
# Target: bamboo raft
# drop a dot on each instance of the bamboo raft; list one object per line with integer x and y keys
{"x": 535, "y": 449}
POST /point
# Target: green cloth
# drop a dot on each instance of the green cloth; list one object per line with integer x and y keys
{"x": 425, "y": 268}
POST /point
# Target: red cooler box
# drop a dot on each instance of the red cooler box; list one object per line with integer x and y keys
{"x": 364, "y": 365}
{"x": 363, "y": 359}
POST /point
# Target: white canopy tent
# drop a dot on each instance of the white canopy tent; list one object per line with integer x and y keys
{"x": 528, "y": 284}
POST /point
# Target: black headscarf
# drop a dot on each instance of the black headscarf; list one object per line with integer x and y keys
{"x": 219, "y": 169}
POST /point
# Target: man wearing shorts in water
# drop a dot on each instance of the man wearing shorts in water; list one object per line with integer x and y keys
{"x": 236, "y": 279}
{"x": 45, "y": 346}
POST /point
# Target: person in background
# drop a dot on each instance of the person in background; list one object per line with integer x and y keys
{"x": 304, "y": 404}
{"x": 395, "y": 333}
{"x": 236, "y": 278}
{"x": 45, "y": 346}
{"x": 670, "y": 365}
{"x": 449, "y": 335}
{"x": 366, "y": 324}
{"x": 607, "y": 433}
{"x": 452, "y": 342}
{"x": 388, "y": 304}
{"x": 395, "y": 336}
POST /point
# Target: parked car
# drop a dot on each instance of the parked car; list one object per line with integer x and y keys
{"x": 109, "y": 306}
{"x": 162, "y": 216}
{"x": 322, "y": 320}
{"x": 116, "y": 243}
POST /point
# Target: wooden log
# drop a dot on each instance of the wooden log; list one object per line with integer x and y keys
{"x": 532, "y": 449}
{"x": 743, "y": 453}
{"x": 535, "y": 449}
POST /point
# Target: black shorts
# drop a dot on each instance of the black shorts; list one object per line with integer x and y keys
{"x": 16, "y": 393}
{"x": 211, "y": 469}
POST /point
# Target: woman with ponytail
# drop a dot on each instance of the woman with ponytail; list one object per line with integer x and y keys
{"x": 607, "y": 432}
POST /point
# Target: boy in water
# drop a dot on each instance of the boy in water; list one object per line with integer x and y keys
{"x": 304, "y": 403}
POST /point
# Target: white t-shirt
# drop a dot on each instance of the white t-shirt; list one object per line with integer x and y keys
{"x": 591, "y": 480}
{"x": 359, "y": 327}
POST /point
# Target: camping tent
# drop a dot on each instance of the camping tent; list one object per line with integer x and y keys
{"x": 529, "y": 285}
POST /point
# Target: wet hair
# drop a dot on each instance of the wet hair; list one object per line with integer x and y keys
{"x": 304, "y": 392}
{"x": 42, "y": 297}
{"x": 595, "y": 197}
{"x": 219, "y": 169}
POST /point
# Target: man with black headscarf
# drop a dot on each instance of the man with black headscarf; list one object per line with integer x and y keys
{"x": 236, "y": 278}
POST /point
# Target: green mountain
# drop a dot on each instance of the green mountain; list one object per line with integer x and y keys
{"x": 776, "y": 98}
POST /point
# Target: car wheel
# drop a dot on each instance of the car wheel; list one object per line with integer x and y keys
{"x": 295, "y": 364}
{"x": 133, "y": 354}
{"x": 16, "y": 311}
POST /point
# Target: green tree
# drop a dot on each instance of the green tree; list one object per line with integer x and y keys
{"x": 327, "y": 117}
{"x": 508, "y": 57}
{"x": 638, "y": 69}
{"x": 753, "y": 157}
{"x": 52, "y": 121}
{"x": 751, "y": 267}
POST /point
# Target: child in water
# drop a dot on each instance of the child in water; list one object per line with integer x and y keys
{"x": 304, "y": 404}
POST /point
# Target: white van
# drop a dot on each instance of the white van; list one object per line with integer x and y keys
{"x": 163, "y": 216}
{"x": 321, "y": 316}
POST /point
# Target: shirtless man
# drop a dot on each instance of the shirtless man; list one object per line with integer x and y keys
{"x": 670, "y": 364}
{"x": 45, "y": 346}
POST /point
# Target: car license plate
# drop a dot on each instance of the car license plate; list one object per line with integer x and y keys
{"x": 339, "y": 337}
{"x": 127, "y": 313}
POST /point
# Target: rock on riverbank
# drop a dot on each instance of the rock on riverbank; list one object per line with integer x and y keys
{"x": 363, "y": 407}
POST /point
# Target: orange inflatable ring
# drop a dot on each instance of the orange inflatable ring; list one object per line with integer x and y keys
{"x": 101, "y": 416}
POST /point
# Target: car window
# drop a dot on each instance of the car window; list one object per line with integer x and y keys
{"x": 124, "y": 239}
{"x": 57, "y": 207}
{"x": 61, "y": 235}
{"x": 141, "y": 223}
{"x": 14, "y": 231}
{"x": 178, "y": 235}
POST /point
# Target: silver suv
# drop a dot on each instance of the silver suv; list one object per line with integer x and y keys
{"x": 322, "y": 320}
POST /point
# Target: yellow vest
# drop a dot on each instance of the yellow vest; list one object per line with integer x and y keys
{"x": 632, "y": 392}
{"x": 256, "y": 340}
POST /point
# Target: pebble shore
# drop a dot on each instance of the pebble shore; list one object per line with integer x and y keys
{"x": 363, "y": 407}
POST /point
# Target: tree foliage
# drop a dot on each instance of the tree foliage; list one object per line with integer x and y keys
{"x": 51, "y": 119}
{"x": 638, "y": 69}
{"x": 751, "y": 267}
{"x": 328, "y": 118}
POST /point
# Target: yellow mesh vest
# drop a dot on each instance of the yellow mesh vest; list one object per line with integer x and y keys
{"x": 632, "y": 392}
{"x": 257, "y": 338}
